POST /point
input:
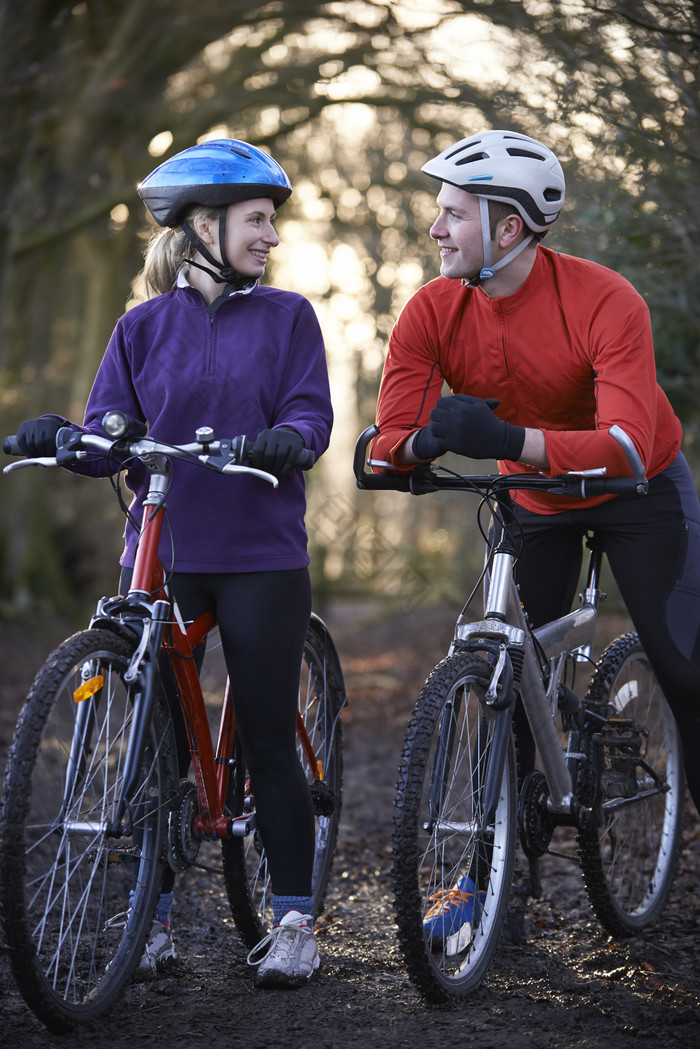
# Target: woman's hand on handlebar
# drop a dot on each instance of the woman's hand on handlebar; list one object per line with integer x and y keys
{"x": 37, "y": 437}
{"x": 278, "y": 451}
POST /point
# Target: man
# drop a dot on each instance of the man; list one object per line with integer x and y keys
{"x": 543, "y": 353}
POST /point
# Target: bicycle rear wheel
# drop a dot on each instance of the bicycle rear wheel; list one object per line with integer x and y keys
{"x": 321, "y": 700}
{"x": 629, "y": 861}
{"x": 77, "y": 900}
{"x": 442, "y": 834}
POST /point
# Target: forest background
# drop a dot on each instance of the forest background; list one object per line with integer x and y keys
{"x": 351, "y": 96}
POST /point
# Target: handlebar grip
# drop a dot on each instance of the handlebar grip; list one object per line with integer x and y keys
{"x": 385, "y": 482}
{"x": 593, "y": 486}
{"x": 305, "y": 459}
{"x": 10, "y": 446}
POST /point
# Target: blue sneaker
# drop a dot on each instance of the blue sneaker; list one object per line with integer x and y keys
{"x": 453, "y": 916}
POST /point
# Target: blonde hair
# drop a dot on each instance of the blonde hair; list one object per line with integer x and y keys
{"x": 168, "y": 250}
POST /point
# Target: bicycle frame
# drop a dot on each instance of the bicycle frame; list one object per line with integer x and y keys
{"x": 504, "y": 632}
{"x": 149, "y": 604}
{"x": 460, "y": 810}
{"x": 97, "y": 796}
{"x": 505, "y": 624}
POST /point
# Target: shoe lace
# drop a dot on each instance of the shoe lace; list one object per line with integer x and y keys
{"x": 300, "y": 927}
{"x": 446, "y": 898}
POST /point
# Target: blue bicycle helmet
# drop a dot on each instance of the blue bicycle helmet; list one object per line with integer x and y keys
{"x": 216, "y": 173}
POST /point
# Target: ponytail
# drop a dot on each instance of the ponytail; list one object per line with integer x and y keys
{"x": 167, "y": 252}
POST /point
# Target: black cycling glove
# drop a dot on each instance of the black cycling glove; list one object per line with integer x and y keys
{"x": 37, "y": 437}
{"x": 469, "y": 426}
{"x": 276, "y": 451}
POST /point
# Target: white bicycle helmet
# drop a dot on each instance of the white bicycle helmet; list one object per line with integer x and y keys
{"x": 505, "y": 166}
{"x": 508, "y": 167}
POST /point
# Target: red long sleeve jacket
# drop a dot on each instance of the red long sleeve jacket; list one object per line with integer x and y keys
{"x": 569, "y": 353}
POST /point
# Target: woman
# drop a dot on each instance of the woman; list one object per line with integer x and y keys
{"x": 212, "y": 347}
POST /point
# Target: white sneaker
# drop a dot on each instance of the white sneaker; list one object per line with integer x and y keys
{"x": 159, "y": 947}
{"x": 292, "y": 955}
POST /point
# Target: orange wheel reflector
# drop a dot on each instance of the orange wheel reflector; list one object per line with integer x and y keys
{"x": 89, "y": 688}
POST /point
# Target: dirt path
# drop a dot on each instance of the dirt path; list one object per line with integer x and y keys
{"x": 570, "y": 985}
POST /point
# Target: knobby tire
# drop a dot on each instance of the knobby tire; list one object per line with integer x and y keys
{"x": 73, "y": 932}
{"x": 440, "y": 833}
{"x": 629, "y": 861}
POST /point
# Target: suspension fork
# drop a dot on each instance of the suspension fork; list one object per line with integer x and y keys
{"x": 494, "y": 775}
{"x": 77, "y": 761}
{"x": 507, "y": 656}
{"x": 142, "y": 676}
{"x": 143, "y": 692}
{"x": 443, "y": 757}
{"x": 143, "y": 699}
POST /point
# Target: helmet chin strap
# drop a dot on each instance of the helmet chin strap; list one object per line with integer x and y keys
{"x": 487, "y": 269}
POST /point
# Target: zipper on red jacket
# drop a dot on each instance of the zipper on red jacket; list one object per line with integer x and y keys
{"x": 504, "y": 347}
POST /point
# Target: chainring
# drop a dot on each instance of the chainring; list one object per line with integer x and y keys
{"x": 183, "y": 846}
{"x": 536, "y": 825}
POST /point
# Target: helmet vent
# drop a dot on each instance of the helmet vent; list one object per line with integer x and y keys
{"x": 471, "y": 159}
{"x": 514, "y": 152}
{"x": 552, "y": 195}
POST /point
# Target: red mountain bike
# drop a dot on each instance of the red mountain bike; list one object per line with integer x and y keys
{"x": 93, "y": 805}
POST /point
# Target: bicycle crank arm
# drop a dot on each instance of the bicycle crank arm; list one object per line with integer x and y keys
{"x": 242, "y": 826}
{"x": 622, "y": 803}
{"x": 225, "y": 826}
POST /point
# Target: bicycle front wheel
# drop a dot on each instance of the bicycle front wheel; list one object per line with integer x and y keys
{"x": 319, "y": 734}
{"x": 77, "y": 899}
{"x": 453, "y": 861}
{"x": 629, "y": 861}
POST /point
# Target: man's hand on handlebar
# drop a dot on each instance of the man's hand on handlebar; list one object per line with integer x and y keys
{"x": 468, "y": 426}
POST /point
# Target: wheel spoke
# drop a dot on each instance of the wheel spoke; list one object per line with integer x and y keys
{"x": 445, "y": 852}
{"x": 629, "y": 864}
{"x": 62, "y": 876}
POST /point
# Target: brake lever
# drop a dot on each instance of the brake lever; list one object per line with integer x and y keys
{"x": 230, "y": 460}
{"x": 44, "y": 460}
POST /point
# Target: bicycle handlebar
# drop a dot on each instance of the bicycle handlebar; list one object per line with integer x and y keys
{"x": 423, "y": 478}
{"x": 223, "y": 456}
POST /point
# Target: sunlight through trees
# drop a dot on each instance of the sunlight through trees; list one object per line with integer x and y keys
{"x": 351, "y": 96}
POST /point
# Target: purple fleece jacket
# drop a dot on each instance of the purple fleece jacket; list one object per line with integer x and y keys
{"x": 259, "y": 362}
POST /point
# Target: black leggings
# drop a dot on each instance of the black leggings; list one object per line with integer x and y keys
{"x": 262, "y": 617}
{"x": 652, "y": 544}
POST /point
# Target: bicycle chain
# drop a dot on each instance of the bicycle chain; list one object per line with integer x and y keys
{"x": 206, "y": 867}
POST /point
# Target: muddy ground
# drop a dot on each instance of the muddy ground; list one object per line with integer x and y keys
{"x": 569, "y": 985}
